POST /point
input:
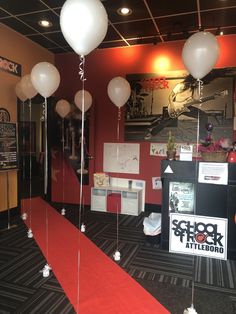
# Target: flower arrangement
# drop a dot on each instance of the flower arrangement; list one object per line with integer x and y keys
{"x": 209, "y": 145}
{"x": 214, "y": 150}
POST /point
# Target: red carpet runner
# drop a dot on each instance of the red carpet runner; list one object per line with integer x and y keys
{"x": 104, "y": 288}
{"x": 70, "y": 183}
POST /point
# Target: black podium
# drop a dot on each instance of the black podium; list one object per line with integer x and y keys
{"x": 209, "y": 199}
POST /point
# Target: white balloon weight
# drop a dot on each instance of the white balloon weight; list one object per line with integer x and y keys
{"x": 27, "y": 87}
{"x": 45, "y": 78}
{"x": 62, "y": 108}
{"x": 81, "y": 96}
{"x": 19, "y": 92}
{"x": 84, "y": 24}
{"x": 119, "y": 91}
{"x": 200, "y": 54}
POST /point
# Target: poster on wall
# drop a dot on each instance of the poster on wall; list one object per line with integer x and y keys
{"x": 170, "y": 101}
{"x": 198, "y": 235}
{"x": 121, "y": 158}
{"x": 8, "y": 146}
{"x": 181, "y": 197}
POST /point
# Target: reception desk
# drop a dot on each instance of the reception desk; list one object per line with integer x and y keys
{"x": 204, "y": 199}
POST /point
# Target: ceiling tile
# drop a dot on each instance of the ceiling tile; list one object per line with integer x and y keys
{"x": 111, "y": 34}
{"x": 54, "y": 3}
{"x": 218, "y": 18}
{"x": 59, "y": 50}
{"x": 137, "y": 29}
{"x": 165, "y": 7}
{"x": 43, "y": 41}
{"x": 33, "y": 19}
{"x": 17, "y": 26}
{"x": 58, "y": 38}
{"x": 138, "y": 8}
{"x": 113, "y": 44}
{"x": 211, "y": 4}
{"x": 3, "y": 14}
{"x": 176, "y": 24}
{"x": 22, "y": 6}
{"x": 175, "y": 20}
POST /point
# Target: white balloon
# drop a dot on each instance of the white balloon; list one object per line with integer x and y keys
{"x": 83, "y": 24}
{"x": 62, "y": 108}
{"x": 45, "y": 78}
{"x": 27, "y": 86}
{"x": 119, "y": 91}
{"x": 79, "y": 96}
{"x": 19, "y": 92}
{"x": 200, "y": 54}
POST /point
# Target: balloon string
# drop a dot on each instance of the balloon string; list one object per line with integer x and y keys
{"x": 23, "y": 139}
{"x": 81, "y": 157}
{"x": 117, "y": 157}
{"x": 81, "y": 73}
{"x": 46, "y": 148}
{"x": 30, "y": 161}
{"x": 23, "y": 151}
{"x": 200, "y": 89}
{"x": 46, "y": 233}
{"x": 81, "y": 68}
{"x": 63, "y": 166}
{"x": 78, "y": 291}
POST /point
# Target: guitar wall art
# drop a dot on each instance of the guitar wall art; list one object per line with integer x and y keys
{"x": 160, "y": 103}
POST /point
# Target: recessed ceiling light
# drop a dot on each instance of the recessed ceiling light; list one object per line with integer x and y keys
{"x": 124, "y": 11}
{"x": 45, "y": 23}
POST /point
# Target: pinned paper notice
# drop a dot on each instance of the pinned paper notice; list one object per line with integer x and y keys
{"x": 168, "y": 170}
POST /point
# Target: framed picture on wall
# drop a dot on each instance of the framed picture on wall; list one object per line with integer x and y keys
{"x": 27, "y": 137}
{"x": 175, "y": 101}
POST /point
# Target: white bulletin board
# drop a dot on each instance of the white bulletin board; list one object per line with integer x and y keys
{"x": 121, "y": 158}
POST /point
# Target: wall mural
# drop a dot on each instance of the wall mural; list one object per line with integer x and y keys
{"x": 171, "y": 102}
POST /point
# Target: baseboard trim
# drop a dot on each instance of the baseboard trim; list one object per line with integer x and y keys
{"x": 155, "y": 208}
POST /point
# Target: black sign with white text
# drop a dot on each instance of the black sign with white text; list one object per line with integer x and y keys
{"x": 8, "y": 146}
{"x": 10, "y": 66}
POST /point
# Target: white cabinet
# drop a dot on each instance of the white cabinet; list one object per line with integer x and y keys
{"x": 131, "y": 202}
{"x": 99, "y": 199}
{"x": 131, "y": 199}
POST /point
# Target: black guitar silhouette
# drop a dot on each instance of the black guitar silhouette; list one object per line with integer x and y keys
{"x": 176, "y": 108}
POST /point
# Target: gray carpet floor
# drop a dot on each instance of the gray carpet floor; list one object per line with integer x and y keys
{"x": 167, "y": 276}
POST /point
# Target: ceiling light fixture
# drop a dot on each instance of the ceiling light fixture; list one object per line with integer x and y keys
{"x": 45, "y": 23}
{"x": 124, "y": 11}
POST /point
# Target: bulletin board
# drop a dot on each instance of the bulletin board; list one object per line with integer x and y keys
{"x": 121, "y": 158}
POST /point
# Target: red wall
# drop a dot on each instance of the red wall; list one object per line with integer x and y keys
{"x": 100, "y": 67}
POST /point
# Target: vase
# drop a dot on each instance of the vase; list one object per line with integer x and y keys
{"x": 217, "y": 156}
{"x": 171, "y": 154}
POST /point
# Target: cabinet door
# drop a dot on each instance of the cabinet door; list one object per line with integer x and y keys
{"x": 231, "y": 221}
{"x": 130, "y": 203}
{"x": 98, "y": 199}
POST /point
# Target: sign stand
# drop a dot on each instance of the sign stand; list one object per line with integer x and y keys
{"x": 9, "y": 226}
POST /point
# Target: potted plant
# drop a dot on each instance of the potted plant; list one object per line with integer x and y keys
{"x": 171, "y": 147}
